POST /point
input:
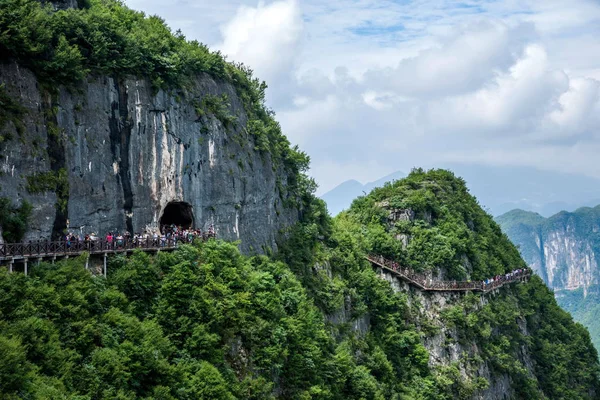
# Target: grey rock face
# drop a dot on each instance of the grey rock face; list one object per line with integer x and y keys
{"x": 562, "y": 249}
{"x": 445, "y": 347}
{"x": 129, "y": 152}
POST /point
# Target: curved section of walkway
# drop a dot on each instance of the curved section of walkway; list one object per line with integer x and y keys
{"x": 425, "y": 283}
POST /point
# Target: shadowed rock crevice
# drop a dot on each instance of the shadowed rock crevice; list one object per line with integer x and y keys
{"x": 120, "y": 140}
{"x": 56, "y": 156}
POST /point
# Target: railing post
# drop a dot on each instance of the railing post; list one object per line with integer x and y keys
{"x": 104, "y": 269}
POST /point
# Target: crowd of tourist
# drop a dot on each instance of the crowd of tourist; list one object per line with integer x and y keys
{"x": 506, "y": 277}
{"x": 427, "y": 281}
{"x": 168, "y": 235}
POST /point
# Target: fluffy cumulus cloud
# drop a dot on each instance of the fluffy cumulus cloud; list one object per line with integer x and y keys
{"x": 266, "y": 37}
{"x": 370, "y": 87}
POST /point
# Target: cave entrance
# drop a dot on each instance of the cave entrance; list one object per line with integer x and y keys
{"x": 178, "y": 213}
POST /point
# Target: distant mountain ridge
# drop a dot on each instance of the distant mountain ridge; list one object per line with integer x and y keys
{"x": 564, "y": 250}
{"x": 498, "y": 189}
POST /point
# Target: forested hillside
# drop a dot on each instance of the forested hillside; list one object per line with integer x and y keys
{"x": 310, "y": 318}
{"x": 313, "y": 321}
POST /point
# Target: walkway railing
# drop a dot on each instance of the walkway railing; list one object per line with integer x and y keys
{"x": 426, "y": 283}
{"x": 43, "y": 249}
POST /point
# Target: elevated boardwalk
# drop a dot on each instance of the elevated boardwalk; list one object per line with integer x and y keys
{"x": 425, "y": 283}
{"x": 11, "y": 253}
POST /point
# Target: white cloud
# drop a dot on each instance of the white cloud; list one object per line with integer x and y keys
{"x": 579, "y": 108}
{"x": 265, "y": 37}
{"x": 462, "y": 61}
{"x": 514, "y": 101}
{"x": 367, "y": 87}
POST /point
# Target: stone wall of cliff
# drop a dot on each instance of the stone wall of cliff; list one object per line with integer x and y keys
{"x": 446, "y": 347}
{"x": 562, "y": 249}
{"x": 126, "y": 152}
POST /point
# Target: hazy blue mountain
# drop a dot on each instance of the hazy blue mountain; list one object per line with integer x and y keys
{"x": 498, "y": 189}
{"x": 340, "y": 197}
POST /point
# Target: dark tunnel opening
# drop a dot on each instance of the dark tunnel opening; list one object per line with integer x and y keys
{"x": 177, "y": 213}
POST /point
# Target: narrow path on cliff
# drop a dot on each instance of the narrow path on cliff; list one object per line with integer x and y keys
{"x": 40, "y": 250}
{"x": 426, "y": 283}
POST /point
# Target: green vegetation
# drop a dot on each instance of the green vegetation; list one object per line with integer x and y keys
{"x": 524, "y": 229}
{"x": 313, "y": 321}
{"x": 516, "y": 217}
{"x": 51, "y": 181}
{"x": 584, "y": 309}
{"x": 562, "y": 370}
{"x": 200, "y": 323}
{"x": 218, "y": 106}
{"x": 14, "y": 220}
{"x": 449, "y": 230}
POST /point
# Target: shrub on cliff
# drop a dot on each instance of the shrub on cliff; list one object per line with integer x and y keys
{"x": 14, "y": 219}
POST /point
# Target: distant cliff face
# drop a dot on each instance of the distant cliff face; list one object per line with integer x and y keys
{"x": 562, "y": 249}
{"x": 111, "y": 155}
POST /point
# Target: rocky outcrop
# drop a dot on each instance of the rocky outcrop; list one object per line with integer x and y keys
{"x": 122, "y": 152}
{"x": 562, "y": 249}
{"x": 444, "y": 344}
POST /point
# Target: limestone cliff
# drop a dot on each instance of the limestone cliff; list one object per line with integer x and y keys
{"x": 448, "y": 344}
{"x": 127, "y": 151}
{"x": 562, "y": 249}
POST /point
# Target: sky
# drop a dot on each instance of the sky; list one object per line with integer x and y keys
{"x": 368, "y": 87}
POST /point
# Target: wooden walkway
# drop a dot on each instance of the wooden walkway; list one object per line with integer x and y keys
{"x": 425, "y": 283}
{"x": 46, "y": 250}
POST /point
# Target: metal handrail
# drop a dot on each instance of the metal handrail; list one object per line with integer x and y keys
{"x": 426, "y": 282}
{"x": 41, "y": 249}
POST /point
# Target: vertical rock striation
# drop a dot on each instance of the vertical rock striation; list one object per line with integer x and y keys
{"x": 562, "y": 249}
{"x": 128, "y": 152}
